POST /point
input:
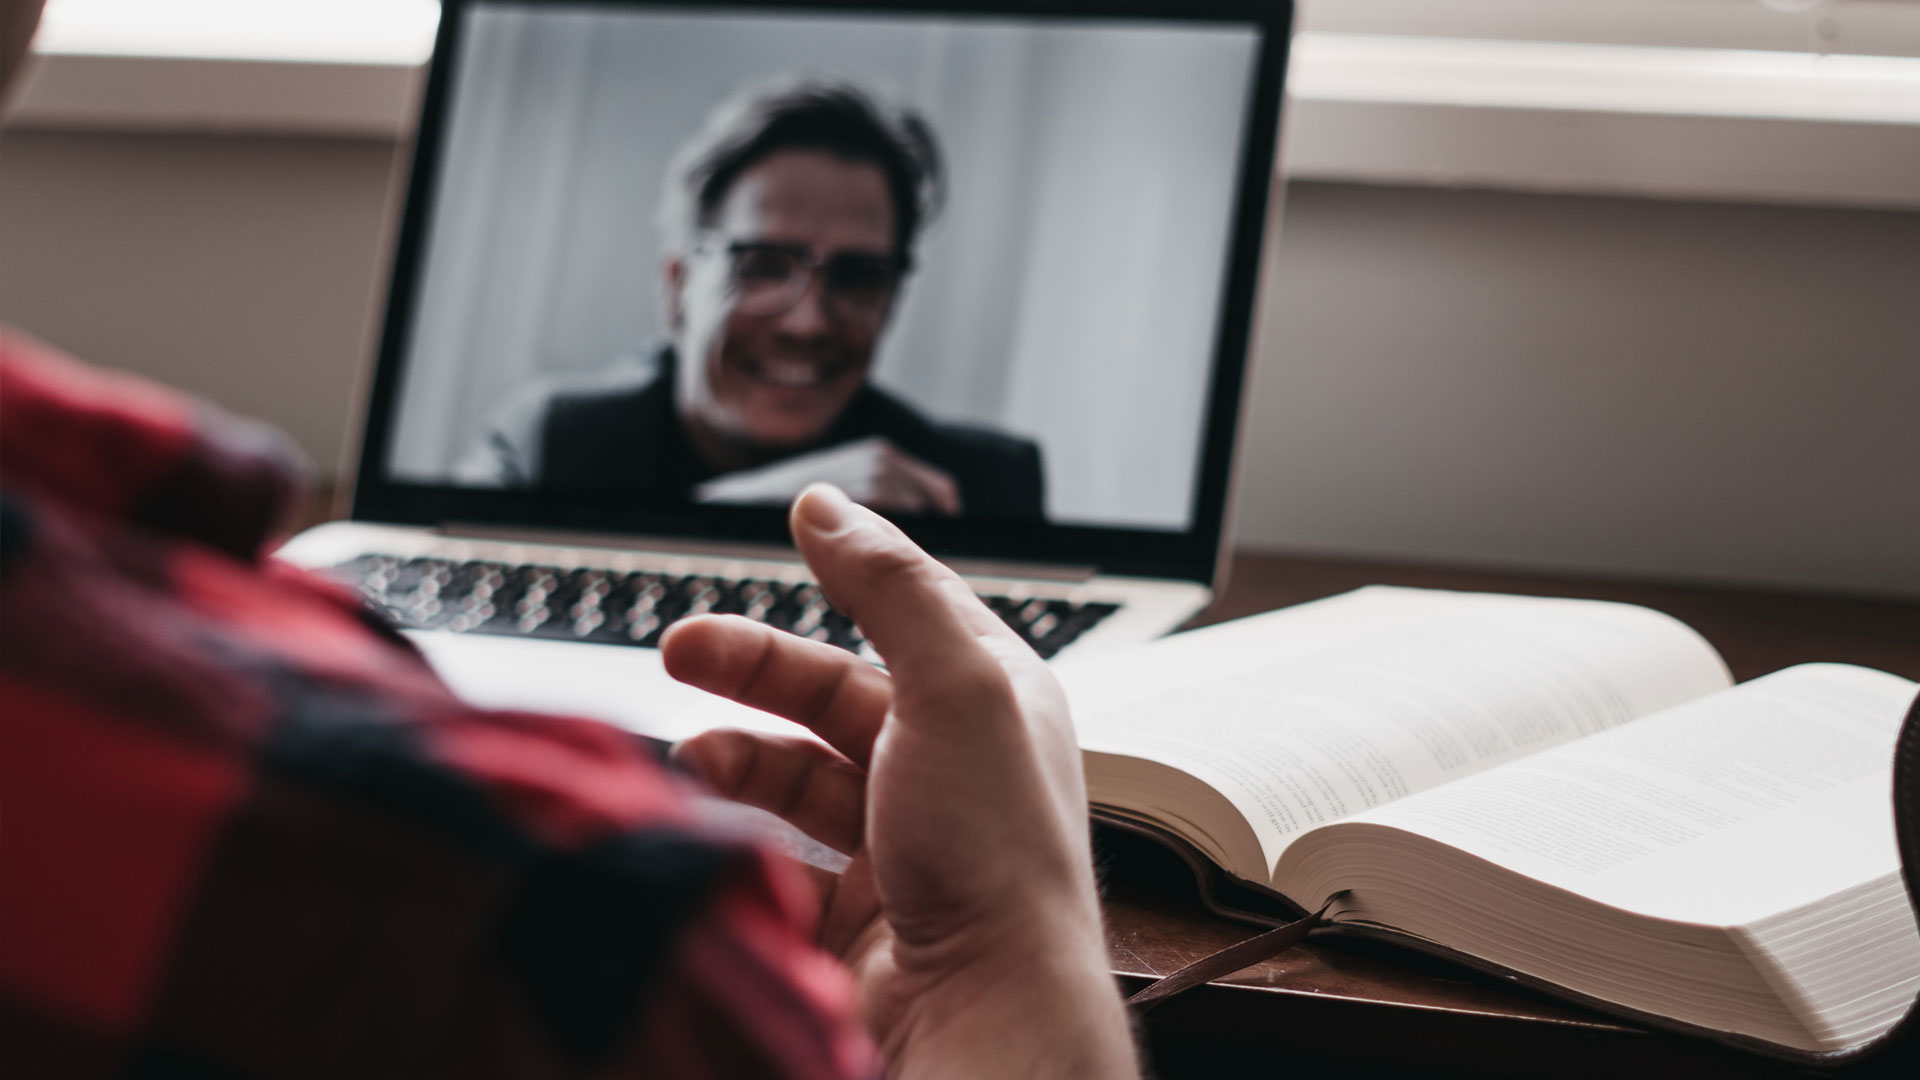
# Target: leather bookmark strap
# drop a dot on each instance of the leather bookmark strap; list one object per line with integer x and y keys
{"x": 1231, "y": 959}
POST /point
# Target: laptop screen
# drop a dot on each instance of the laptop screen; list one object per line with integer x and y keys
{"x": 665, "y": 265}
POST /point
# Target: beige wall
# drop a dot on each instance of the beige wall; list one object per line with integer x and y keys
{"x": 1679, "y": 390}
{"x": 1636, "y": 387}
{"x": 241, "y": 269}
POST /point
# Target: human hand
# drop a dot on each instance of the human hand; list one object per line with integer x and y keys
{"x": 872, "y": 471}
{"x": 968, "y": 913}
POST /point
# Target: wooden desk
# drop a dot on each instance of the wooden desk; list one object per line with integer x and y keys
{"x": 1376, "y": 1010}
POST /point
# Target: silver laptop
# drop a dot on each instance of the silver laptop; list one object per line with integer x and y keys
{"x": 988, "y": 266}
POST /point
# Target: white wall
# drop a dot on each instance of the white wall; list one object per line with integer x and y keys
{"x": 1679, "y": 390}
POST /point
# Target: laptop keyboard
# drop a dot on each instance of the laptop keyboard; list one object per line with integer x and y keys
{"x": 613, "y": 607}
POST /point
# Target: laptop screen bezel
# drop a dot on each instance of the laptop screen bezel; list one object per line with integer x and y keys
{"x": 1191, "y": 554}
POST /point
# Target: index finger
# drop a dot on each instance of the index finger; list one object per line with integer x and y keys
{"x": 920, "y": 616}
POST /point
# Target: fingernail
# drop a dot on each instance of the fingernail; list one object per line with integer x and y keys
{"x": 824, "y": 508}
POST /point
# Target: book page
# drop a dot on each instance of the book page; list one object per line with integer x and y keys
{"x": 1314, "y": 713}
{"x": 1721, "y": 811}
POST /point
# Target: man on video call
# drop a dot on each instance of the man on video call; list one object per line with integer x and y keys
{"x": 790, "y": 224}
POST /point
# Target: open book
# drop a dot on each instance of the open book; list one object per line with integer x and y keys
{"x": 1567, "y": 791}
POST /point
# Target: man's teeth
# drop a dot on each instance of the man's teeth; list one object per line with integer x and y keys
{"x": 789, "y": 374}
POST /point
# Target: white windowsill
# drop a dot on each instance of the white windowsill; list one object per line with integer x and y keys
{"x": 1653, "y": 121}
{"x": 1628, "y": 120}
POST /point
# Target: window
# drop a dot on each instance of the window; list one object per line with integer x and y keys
{"x": 1862, "y": 27}
{"x": 398, "y": 32}
{"x": 1776, "y": 100}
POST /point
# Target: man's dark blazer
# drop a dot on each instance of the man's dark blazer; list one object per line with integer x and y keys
{"x": 625, "y": 437}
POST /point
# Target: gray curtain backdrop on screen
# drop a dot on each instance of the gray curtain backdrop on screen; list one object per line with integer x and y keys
{"x": 1068, "y": 293}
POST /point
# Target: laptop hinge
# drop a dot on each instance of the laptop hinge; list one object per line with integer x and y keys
{"x": 721, "y": 549}
{"x": 995, "y": 568}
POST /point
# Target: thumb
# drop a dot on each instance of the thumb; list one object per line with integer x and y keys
{"x": 919, "y": 615}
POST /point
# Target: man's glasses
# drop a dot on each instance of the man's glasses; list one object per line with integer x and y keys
{"x": 855, "y": 287}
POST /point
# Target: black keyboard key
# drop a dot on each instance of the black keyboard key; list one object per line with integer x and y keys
{"x": 1048, "y": 625}
{"x": 609, "y": 607}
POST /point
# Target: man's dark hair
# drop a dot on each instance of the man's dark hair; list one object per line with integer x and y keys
{"x": 828, "y": 115}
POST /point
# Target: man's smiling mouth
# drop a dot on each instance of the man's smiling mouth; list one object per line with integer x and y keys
{"x": 791, "y": 374}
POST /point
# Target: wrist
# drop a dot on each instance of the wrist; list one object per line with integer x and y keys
{"x": 1046, "y": 1009}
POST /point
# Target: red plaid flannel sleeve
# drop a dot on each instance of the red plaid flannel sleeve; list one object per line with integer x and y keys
{"x": 248, "y": 834}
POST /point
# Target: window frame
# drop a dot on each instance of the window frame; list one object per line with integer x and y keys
{"x": 1395, "y": 92}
